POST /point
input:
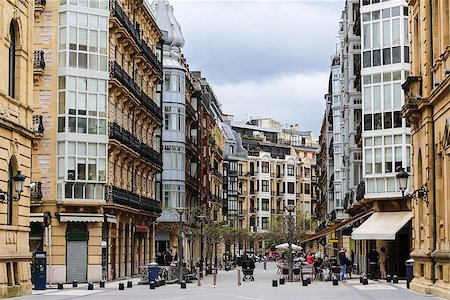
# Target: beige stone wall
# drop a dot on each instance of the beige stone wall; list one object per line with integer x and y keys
{"x": 16, "y": 137}
{"x": 432, "y": 113}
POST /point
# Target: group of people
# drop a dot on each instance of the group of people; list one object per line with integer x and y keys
{"x": 166, "y": 258}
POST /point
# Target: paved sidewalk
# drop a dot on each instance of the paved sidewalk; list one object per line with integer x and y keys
{"x": 228, "y": 289}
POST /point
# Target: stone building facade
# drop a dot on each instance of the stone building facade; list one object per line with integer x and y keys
{"x": 18, "y": 136}
{"x": 427, "y": 108}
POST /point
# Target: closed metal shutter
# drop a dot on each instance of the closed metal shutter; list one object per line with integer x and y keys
{"x": 77, "y": 261}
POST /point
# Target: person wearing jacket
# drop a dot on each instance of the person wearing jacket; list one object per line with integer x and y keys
{"x": 343, "y": 262}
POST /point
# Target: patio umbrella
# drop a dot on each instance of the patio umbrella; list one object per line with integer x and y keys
{"x": 285, "y": 246}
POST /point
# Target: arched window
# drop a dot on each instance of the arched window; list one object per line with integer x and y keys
{"x": 12, "y": 60}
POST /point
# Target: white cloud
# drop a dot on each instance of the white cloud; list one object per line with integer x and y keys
{"x": 266, "y": 58}
{"x": 297, "y": 98}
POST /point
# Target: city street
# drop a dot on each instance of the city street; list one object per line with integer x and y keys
{"x": 228, "y": 289}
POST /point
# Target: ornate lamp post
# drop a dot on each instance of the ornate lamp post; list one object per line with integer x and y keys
{"x": 18, "y": 180}
{"x": 180, "y": 211}
{"x": 290, "y": 208}
{"x": 419, "y": 194}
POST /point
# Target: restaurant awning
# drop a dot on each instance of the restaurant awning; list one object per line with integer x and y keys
{"x": 341, "y": 225}
{"x": 382, "y": 226}
{"x": 80, "y": 217}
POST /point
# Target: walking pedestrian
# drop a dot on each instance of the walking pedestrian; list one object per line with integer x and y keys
{"x": 168, "y": 257}
{"x": 383, "y": 262}
{"x": 343, "y": 262}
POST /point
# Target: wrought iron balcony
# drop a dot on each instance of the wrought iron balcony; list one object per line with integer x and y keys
{"x": 360, "y": 190}
{"x": 39, "y": 61}
{"x": 38, "y": 125}
{"x": 36, "y": 191}
{"x": 115, "y": 71}
{"x": 192, "y": 181}
{"x": 116, "y": 11}
{"x": 123, "y": 197}
{"x": 358, "y": 135}
{"x": 128, "y": 139}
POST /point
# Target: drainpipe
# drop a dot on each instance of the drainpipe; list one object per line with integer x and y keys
{"x": 433, "y": 155}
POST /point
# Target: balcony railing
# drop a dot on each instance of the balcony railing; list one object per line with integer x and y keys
{"x": 39, "y": 61}
{"x": 128, "y": 139}
{"x": 115, "y": 71}
{"x": 191, "y": 180}
{"x": 116, "y": 11}
{"x": 36, "y": 191}
{"x": 358, "y": 135}
{"x": 360, "y": 190}
{"x": 123, "y": 197}
{"x": 38, "y": 125}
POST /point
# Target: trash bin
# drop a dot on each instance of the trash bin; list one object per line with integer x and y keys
{"x": 409, "y": 271}
{"x": 152, "y": 271}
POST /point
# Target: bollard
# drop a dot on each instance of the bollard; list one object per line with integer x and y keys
{"x": 152, "y": 285}
{"x": 395, "y": 279}
{"x": 75, "y": 283}
{"x": 238, "y": 276}
{"x": 198, "y": 277}
{"x": 335, "y": 280}
{"x": 274, "y": 283}
{"x": 129, "y": 284}
{"x": 388, "y": 278}
{"x": 60, "y": 286}
{"x": 304, "y": 282}
{"x": 365, "y": 281}
{"x": 215, "y": 279}
{"x": 90, "y": 286}
{"x": 121, "y": 286}
{"x": 281, "y": 280}
{"x": 102, "y": 284}
{"x": 265, "y": 266}
{"x": 183, "y": 284}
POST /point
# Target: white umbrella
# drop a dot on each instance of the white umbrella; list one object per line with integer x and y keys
{"x": 285, "y": 246}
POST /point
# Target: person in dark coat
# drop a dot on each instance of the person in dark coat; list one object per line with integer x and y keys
{"x": 343, "y": 262}
{"x": 168, "y": 257}
{"x": 374, "y": 256}
{"x": 160, "y": 259}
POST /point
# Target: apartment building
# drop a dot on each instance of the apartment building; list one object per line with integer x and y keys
{"x": 96, "y": 167}
{"x": 386, "y": 136}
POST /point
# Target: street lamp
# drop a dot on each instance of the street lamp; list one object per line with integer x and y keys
{"x": 180, "y": 211}
{"x": 18, "y": 180}
{"x": 202, "y": 219}
{"x": 290, "y": 208}
{"x": 419, "y": 194}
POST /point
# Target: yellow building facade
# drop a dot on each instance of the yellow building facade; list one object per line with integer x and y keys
{"x": 95, "y": 169}
{"x": 427, "y": 108}
{"x": 17, "y": 135}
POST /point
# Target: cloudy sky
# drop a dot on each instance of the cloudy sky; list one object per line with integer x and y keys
{"x": 263, "y": 58}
